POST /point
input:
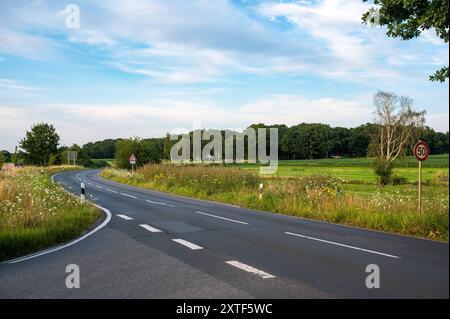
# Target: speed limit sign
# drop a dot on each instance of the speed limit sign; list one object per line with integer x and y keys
{"x": 421, "y": 151}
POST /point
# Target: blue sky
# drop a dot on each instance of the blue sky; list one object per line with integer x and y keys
{"x": 148, "y": 67}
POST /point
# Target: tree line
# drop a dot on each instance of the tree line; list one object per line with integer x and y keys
{"x": 40, "y": 146}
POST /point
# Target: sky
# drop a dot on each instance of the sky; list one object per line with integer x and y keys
{"x": 144, "y": 68}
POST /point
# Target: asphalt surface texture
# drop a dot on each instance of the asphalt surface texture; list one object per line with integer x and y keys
{"x": 156, "y": 245}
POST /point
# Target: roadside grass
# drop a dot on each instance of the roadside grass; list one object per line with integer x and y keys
{"x": 319, "y": 197}
{"x": 36, "y": 214}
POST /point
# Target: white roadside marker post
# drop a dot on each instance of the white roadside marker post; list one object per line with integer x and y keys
{"x": 261, "y": 186}
{"x": 83, "y": 192}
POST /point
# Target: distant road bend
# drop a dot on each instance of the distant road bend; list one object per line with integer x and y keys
{"x": 164, "y": 246}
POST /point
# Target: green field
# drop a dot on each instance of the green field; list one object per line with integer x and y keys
{"x": 359, "y": 170}
{"x": 436, "y": 161}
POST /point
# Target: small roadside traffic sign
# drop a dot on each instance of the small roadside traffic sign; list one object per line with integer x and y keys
{"x": 421, "y": 152}
{"x": 133, "y": 159}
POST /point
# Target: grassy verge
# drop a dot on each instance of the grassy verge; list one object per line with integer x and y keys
{"x": 316, "y": 197}
{"x": 35, "y": 213}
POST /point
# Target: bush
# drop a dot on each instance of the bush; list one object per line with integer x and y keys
{"x": 384, "y": 170}
{"x": 399, "y": 180}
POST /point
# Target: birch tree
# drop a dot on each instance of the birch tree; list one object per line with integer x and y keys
{"x": 398, "y": 123}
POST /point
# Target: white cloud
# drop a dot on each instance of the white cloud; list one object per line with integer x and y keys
{"x": 438, "y": 121}
{"x": 24, "y": 45}
{"x": 15, "y": 85}
{"x": 430, "y": 36}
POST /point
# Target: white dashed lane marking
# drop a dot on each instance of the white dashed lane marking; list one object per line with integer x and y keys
{"x": 159, "y": 203}
{"x": 224, "y": 218}
{"x": 112, "y": 191}
{"x": 127, "y": 195}
{"x": 250, "y": 269}
{"x": 150, "y": 228}
{"x": 187, "y": 244}
{"x": 343, "y": 245}
{"x": 124, "y": 217}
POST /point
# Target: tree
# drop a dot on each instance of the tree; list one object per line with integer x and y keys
{"x": 6, "y": 156}
{"x": 40, "y": 143}
{"x": 105, "y": 149}
{"x": 2, "y": 160}
{"x": 146, "y": 151}
{"x": 398, "y": 124}
{"x": 407, "y": 19}
{"x": 167, "y": 145}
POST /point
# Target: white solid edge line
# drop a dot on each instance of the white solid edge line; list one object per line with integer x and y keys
{"x": 224, "y": 218}
{"x": 150, "y": 228}
{"x": 128, "y": 195}
{"x": 103, "y": 224}
{"x": 124, "y": 217}
{"x": 343, "y": 245}
{"x": 250, "y": 269}
{"x": 187, "y": 244}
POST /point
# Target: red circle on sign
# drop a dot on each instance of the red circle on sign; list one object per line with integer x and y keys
{"x": 421, "y": 151}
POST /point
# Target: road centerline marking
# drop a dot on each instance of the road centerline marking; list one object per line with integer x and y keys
{"x": 150, "y": 228}
{"x": 250, "y": 269}
{"x": 159, "y": 203}
{"x": 124, "y": 217}
{"x": 224, "y": 218}
{"x": 187, "y": 244}
{"x": 343, "y": 245}
{"x": 127, "y": 195}
{"x": 111, "y": 190}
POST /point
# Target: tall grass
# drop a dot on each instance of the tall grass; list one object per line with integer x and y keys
{"x": 35, "y": 213}
{"x": 316, "y": 197}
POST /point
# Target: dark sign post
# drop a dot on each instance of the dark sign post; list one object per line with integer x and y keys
{"x": 421, "y": 152}
{"x": 132, "y": 162}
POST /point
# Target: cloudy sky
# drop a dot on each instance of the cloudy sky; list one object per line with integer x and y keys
{"x": 147, "y": 67}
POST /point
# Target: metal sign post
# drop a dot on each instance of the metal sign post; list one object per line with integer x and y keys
{"x": 421, "y": 152}
{"x": 72, "y": 156}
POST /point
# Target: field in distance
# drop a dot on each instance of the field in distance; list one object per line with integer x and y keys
{"x": 359, "y": 170}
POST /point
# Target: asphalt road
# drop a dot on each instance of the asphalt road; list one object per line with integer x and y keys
{"x": 163, "y": 246}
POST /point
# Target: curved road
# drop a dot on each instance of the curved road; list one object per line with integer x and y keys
{"x": 163, "y": 246}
